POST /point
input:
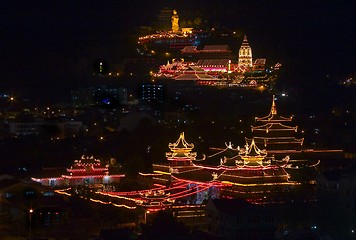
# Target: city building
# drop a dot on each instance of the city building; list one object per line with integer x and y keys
{"x": 83, "y": 172}
{"x": 100, "y": 95}
{"x": 57, "y": 129}
{"x": 25, "y": 204}
{"x": 152, "y": 92}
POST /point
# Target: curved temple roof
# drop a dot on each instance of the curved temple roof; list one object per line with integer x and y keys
{"x": 181, "y": 149}
{"x": 273, "y": 115}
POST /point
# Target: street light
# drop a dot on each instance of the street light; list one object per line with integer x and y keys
{"x": 30, "y": 212}
{"x": 146, "y": 213}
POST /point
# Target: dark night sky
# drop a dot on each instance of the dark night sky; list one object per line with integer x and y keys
{"x": 46, "y": 44}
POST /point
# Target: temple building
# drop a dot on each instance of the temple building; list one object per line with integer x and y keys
{"x": 275, "y": 132}
{"x": 85, "y": 171}
{"x": 181, "y": 152}
{"x": 272, "y": 167}
{"x": 221, "y": 64}
{"x": 245, "y": 55}
{"x": 280, "y": 137}
{"x": 247, "y": 172}
{"x": 259, "y": 65}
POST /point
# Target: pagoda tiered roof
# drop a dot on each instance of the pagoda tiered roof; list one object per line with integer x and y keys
{"x": 273, "y": 132}
{"x": 245, "y": 42}
{"x": 276, "y": 126}
{"x": 181, "y": 149}
{"x": 252, "y": 156}
{"x": 273, "y": 115}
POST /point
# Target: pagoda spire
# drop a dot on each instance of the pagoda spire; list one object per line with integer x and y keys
{"x": 274, "y": 107}
{"x": 273, "y": 117}
{"x": 245, "y": 39}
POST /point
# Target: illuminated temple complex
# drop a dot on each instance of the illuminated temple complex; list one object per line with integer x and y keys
{"x": 250, "y": 172}
{"x": 204, "y": 64}
{"x": 230, "y": 172}
{"x": 216, "y": 65}
{"x": 271, "y": 167}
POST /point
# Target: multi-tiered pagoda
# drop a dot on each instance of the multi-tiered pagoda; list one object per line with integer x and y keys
{"x": 276, "y": 133}
{"x": 279, "y": 137}
{"x": 245, "y": 55}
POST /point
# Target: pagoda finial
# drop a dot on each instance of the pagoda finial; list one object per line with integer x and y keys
{"x": 182, "y": 135}
{"x": 273, "y": 108}
{"x": 245, "y": 38}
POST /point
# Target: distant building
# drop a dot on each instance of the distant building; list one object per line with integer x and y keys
{"x": 259, "y": 65}
{"x": 60, "y": 129}
{"x": 85, "y": 171}
{"x": 25, "y": 204}
{"x": 152, "y": 92}
{"x": 245, "y": 55}
{"x": 101, "y": 95}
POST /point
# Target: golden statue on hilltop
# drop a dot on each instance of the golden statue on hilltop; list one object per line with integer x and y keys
{"x": 175, "y": 20}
